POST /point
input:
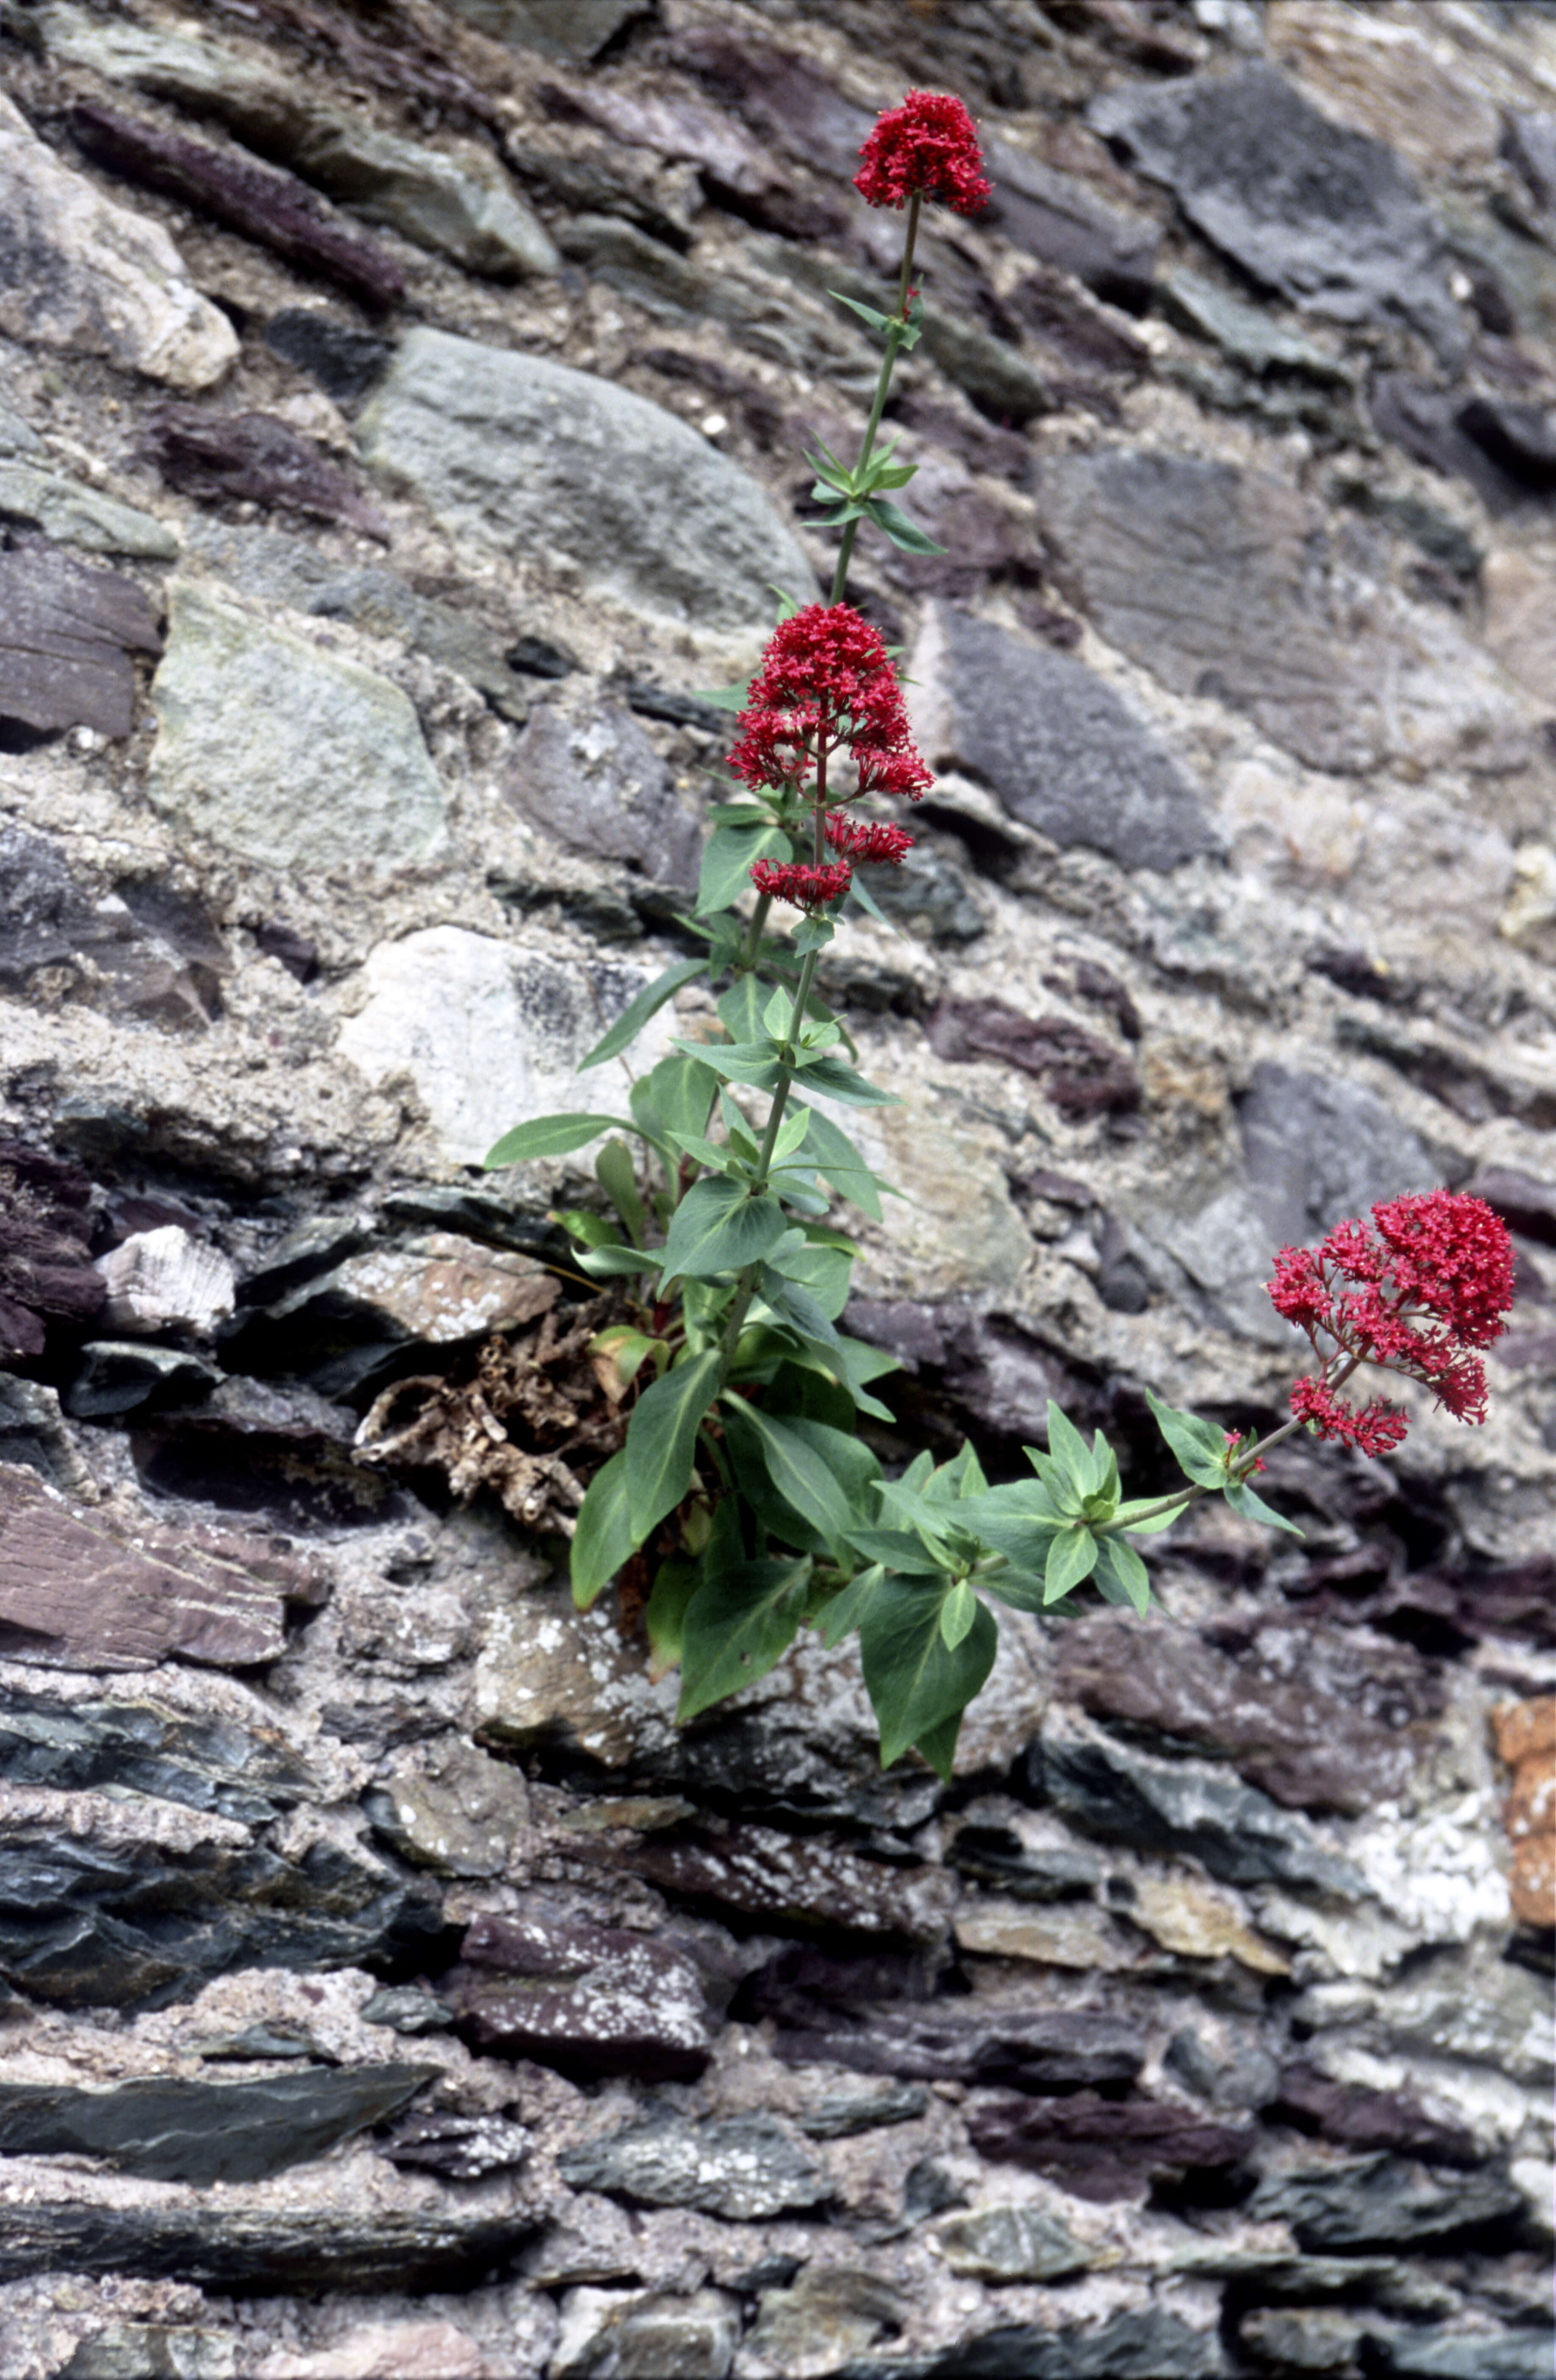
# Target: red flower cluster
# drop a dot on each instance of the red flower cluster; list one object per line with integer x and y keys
{"x": 928, "y": 149}
{"x": 873, "y": 841}
{"x": 827, "y": 687}
{"x": 798, "y": 882}
{"x": 1430, "y": 1283}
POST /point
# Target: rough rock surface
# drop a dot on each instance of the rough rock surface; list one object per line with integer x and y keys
{"x": 399, "y": 423}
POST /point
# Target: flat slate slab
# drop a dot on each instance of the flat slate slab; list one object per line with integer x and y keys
{"x": 538, "y": 460}
{"x": 66, "y": 635}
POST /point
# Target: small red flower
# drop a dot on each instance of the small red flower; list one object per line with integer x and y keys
{"x": 1233, "y": 1440}
{"x": 927, "y": 149}
{"x": 876, "y": 841}
{"x": 803, "y": 886}
{"x": 1416, "y": 1294}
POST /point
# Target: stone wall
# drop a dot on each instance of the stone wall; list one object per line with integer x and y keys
{"x": 400, "y": 427}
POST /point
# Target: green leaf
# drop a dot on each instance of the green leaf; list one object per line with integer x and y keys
{"x": 1152, "y": 1523}
{"x": 683, "y": 1090}
{"x": 552, "y": 1136}
{"x": 902, "y": 532}
{"x": 937, "y": 1745}
{"x": 1106, "y": 1462}
{"x": 737, "y": 1623}
{"x": 789, "y": 1458}
{"x": 727, "y": 857}
{"x": 957, "y": 1613}
{"x": 1253, "y": 1506}
{"x": 602, "y": 1537}
{"x": 845, "y": 1612}
{"x": 608, "y": 1263}
{"x": 719, "y": 1227}
{"x": 1117, "y": 1559}
{"x": 1072, "y": 1556}
{"x": 635, "y": 1015}
{"x": 879, "y": 322}
{"x": 741, "y": 1062}
{"x": 662, "y": 1439}
{"x": 1070, "y": 1450}
{"x": 740, "y": 1008}
{"x": 829, "y": 1149}
{"x": 899, "y": 1550}
{"x": 833, "y": 1079}
{"x": 613, "y": 1172}
{"x": 960, "y": 1479}
{"x": 916, "y": 1680}
{"x": 666, "y": 1617}
{"x": 1199, "y": 1446}
{"x": 792, "y": 1302}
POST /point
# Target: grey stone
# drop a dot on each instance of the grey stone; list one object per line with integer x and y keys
{"x": 1224, "y": 582}
{"x": 143, "y": 2350}
{"x": 276, "y": 1451}
{"x": 1382, "y": 2201}
{"x": 453, "y": 1809}
{"x": 841, "y": 2114}
{"x": 586, "y": 772}
{"x": 928, "y": 895}
{"x": 1054, "y": 743}
{"x": 121, "y": 1376}
{"x": 1245, "y": 334}
{"x": 645, "y": 2334}
{"x": 1317, "y": 1148}
{"x": 1154, "y": 2345}
{"x": 1485, "y": 2009}
{"x": 75, "y": 515}
{"x": 67, "y": 638}
{"x": 782, "y": 1881}
{"x": 272, "y": 749}
{"x": 406, "y": 2009}
{"x": 829, "y": 2312}
{"x": 342, "y": 358}
{"x": 166, "y": 2130}
{"x": 563, "y": 29}
{"x": 33, "y": 1435}
{"x": 1025, "y": 2048}
{"x": 744, "y": 2167}
{"x": 1304, "y": 2338}
{"x": 1327, "y": 216}
{"x": 1012, "y": 2244}
{"x": 995, "y": 1854}
{"x": 455, "y": 2148}
{"x": 80, "y": 272}
{"x": 1185, "y": 1806}
{"x": 1470, "y": 2355}
{"x": 518, "y": 453}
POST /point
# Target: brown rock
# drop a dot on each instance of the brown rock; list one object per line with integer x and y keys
{"x": 84, "y": 1595}
{"x": 1532, "y": 1880}
{"x": 1081, "y": 1076}
{"x": 67, "y": 634}
{"x": 46, "y": 1271}
{"x": 1305, "y": 1743}
{"x": 265, "y": 205}
{"x": 252, "y": 458}
{"x": 1104, "y": 2148}
{"x": 588, "y": 1999}
{"x": 784, "y": 1879}
{"x": 1523, "y": 1729}
{"x": 1362, "y": 2119}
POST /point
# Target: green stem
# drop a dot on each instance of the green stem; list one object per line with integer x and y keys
{"x": 747, "y": 1288}
{"x": 888, "y": 364}
{"x": 1335, "y": 1378}
{"x": 753, "y": 940}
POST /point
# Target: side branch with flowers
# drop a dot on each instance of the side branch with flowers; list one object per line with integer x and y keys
{"x": 743, "y": 1482}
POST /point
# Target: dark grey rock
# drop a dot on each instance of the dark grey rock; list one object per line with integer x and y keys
{"x": 459, "y": 2148}
{"x": 743, "y": 2167}
{"x": 1151, "y": 2346}
{"x": 89, "y": 1924}
{"x": 236, "y": 2251}
{"x": 1058, "y": 219}
{"x": 928, "y": 895}
{"x": 128, "y": 1376}
{"x": 1319, "y": 1147}
{"x": 1112, "y": 1789}
{"x": 1327, "y": 216}
{"x": 46, "y": 1274}
{"x": 587, "y": 774}
{"x": 1384, "y": 2202}
{"x": 166, "y": 2130}
{"x": 1024, "y": 2049}
{"x": 591, "y": 1999}
{"x": 784, "y": 1881}
{"x": 280, "y": 1451}
{"x": 1105, "y": 2149}
{"x": 253, "y": 458}
{"x": 79, "y": 1743}
{"x": 344, "y": 358}
{"x": 262, "y": 2041}
{"x": 996, "y": 1855}
{"x": 1056, "y": 745}
{"x": 1245, "y": 334}
{"x": 67, "y": 642}
{"x": 841, "y": 2114}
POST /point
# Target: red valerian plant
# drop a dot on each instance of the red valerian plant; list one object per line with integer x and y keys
{"x": 925, "y": 149}
{"x": 1416, "y": 1294}
{"x": 748, "y": 1496}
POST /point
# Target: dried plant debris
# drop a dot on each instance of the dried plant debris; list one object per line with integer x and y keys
{"x": 530, "y": 1416}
